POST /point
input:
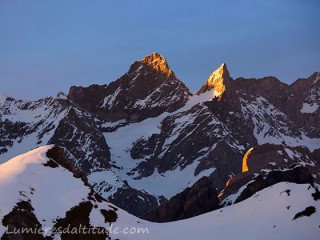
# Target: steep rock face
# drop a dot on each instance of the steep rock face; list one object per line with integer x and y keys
{"x": 223, "y": 91}
{"x": 269, "y": 87}
{"x": 158, "y": 62}
{"x": 25, "y": 125}
{"x": 299, "y": 101}
{"x": 148, "y": 89}
{"x": 269, "y": 164}
{"x": 298, "y": 175}
{"x": 198, "y": 199}
{"x": 194, "y": 137}
{"x": 219, "y": 80}
{"x": 275, "y": 156}
{"x": 226, "y": 106}
{"x": 58, "y": 156}
{"x": 273, "y": 110}
{"x": 78, "y": 133}
{"x": 306, "y": 96}
{"x": 140, "y": 201}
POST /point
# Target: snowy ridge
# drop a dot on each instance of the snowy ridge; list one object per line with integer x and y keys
{"x": 20, "y": 181}
{"x": 20, "y": 177}
{"x": 26, "y": 178}
{"x": 30, "y": 124}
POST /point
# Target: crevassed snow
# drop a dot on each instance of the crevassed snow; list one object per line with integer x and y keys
{"x": 309, "y": 107}
{"x": 17, "y": 113}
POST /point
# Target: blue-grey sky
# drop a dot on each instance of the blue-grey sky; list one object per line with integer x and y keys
{"x": 48, "y": 45}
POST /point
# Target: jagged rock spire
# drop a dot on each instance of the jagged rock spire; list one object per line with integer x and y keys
{"x": 218, "y": 80}
{"x": 158, "y": 62}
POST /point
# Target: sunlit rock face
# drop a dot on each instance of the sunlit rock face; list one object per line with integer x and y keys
{"x": 268, "y": 164}
{"x": 245, "y": 159}
{"x": 219, "y": 80}
{"x": 148, "y": 89}
{"x": 158, "y": 62}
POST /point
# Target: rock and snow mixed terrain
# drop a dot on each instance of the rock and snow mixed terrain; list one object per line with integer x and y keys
{"x": 145, "y": 138}
{"x": 37, "y": 192}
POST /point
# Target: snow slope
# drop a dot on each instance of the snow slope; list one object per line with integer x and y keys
{"x": 25, "y": 174}
{"x": 266, "y": 215}
{"x": 51, "y": 191}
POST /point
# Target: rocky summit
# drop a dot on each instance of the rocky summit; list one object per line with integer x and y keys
{"x": 146, "y": 143}
{"x": 148, "y": 89}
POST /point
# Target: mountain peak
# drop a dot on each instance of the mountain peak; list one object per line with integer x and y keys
{"x": 158, "y": 62}
{"x": 217, "y": 81}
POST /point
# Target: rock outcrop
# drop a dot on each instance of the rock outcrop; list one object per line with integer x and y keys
{"x": 269, "y": 164}
{"x": 149, "y": 89}
{"x": 200, "y": 198}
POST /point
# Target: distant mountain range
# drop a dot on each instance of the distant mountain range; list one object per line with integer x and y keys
{"x": 151, "y": 147}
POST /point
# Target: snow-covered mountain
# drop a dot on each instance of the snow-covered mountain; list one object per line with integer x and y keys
{"x": 39, "y": 192}
{"x": 43, "y": 192}
{"x": 144, "y": 138}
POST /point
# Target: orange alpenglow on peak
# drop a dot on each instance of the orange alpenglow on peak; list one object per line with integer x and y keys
{"x": 216, "y": 81}
{"x": 158, "y": 62}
